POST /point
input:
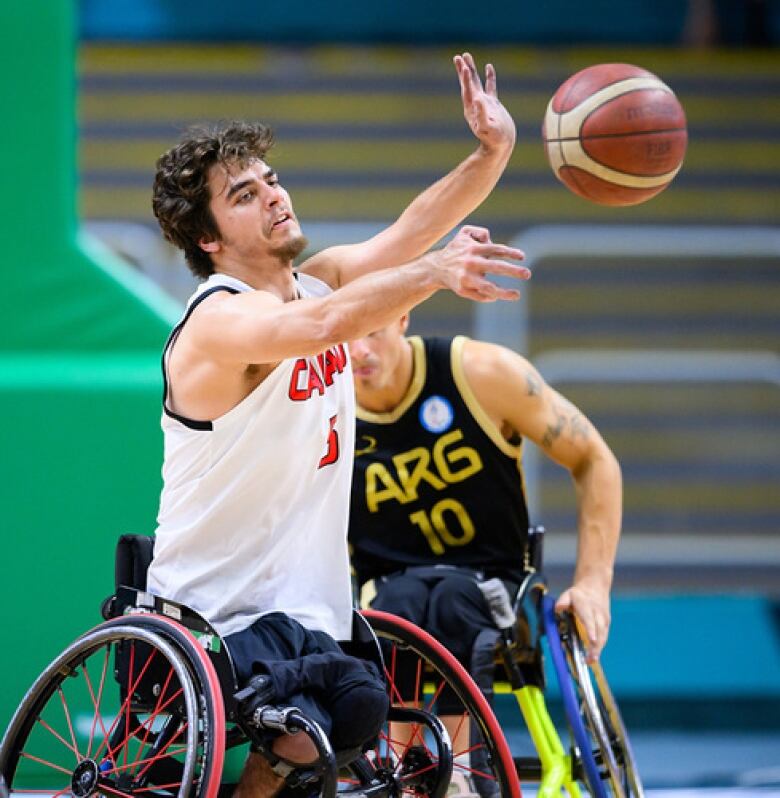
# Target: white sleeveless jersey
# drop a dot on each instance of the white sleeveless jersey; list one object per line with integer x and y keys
{"x": 253, "y": 513}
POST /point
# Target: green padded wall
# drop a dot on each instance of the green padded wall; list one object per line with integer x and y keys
{"x": 79, "y": 367}
{"x": 56, "y": 295}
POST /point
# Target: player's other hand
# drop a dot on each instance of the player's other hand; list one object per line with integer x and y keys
{"x": 591, "y": 611}
{"x": 489, "y": 121}
{"x": 463, "y": 265}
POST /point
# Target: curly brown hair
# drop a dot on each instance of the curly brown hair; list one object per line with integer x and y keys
{"x": 181, "y": 195}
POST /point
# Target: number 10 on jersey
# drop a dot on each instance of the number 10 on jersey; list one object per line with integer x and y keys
{"x": 438, "y": 532}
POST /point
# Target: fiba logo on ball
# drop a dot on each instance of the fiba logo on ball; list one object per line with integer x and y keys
{"x": 436, "y": 414}
{"x": 615, "y": 134}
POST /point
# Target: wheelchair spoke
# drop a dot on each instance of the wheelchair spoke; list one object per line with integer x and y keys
{"x": 124, "y": 710}
{"x": 147, "y": 761}
{"x": 46, "y": 763}
{"x": 158, "y": 787}
{"x": 162, "y": 751}
{"x": 96, "y": 701}
{"x": 109, "y": 789}
{"x": 158, "y": 708}
{"x": 129, "y": 695}
{"x": 70, "y": 723}
{"x": 59, "y": 737}
{"x": 473, "y": 771}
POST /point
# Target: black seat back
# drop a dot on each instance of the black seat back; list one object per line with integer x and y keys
{"x": 133, "y": 557}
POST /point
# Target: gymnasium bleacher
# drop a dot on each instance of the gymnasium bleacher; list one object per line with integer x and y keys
{"x": 361, "y": 130}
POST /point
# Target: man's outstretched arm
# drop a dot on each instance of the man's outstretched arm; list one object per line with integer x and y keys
{"x": 447, "y": 202}
{"x": 256, "y": 327}
{"x": 516, "y": 398}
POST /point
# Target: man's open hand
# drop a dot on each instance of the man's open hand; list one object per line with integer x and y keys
{"x": 486, "y": 116}
{"x": 463, "y": 265}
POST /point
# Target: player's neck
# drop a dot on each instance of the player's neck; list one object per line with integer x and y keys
{"x": 273, "y": 276}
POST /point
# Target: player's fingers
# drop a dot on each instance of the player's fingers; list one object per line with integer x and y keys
{"x": 481, "y": 234}
{"x": 507, "y": 294}
{"x": 485, "y": 291}
{"x": 464, "y": 79}
{"x": 564, "y": 603}
{"x": 474, "y": 292}
{"x": 496, "y": 266}
{"x": 466, "y": 82}
{"x": 473, "y": 73}
{"x": 588, "y": 626}
{"x": 490, "y": 80}
{"x": 602, "y": 632}
{"x": 490, "y": 250}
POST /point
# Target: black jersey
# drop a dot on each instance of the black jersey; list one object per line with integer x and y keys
{"x": 435, "y": 481}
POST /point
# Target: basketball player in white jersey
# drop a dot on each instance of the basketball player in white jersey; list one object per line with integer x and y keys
{"x": 259, "y": 409}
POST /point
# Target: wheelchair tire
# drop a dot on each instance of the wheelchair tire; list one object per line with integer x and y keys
{"x": 594, "y": 718}
{"x": 213, "y": 732}
{"x": 91, "y": 725}
{"x": 491, "y": 764}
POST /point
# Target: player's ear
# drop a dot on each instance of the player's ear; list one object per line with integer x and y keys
{"x": 403, "y": 323}
{"x": 209, "y": 244}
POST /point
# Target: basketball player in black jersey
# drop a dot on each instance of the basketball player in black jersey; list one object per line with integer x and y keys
{"x": 438, "y": 503}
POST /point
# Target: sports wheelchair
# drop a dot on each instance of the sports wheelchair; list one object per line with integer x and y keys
{"x": 147, "y": 704}
{"x": 598, "y": 759}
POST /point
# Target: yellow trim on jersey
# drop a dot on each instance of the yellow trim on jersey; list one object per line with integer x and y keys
{"x": 480, "y": 416}
{"x": 418, "y": 380}
{"x": 367, "y": 594}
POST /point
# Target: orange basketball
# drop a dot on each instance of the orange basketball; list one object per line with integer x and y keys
{"x": 615, "y": 134}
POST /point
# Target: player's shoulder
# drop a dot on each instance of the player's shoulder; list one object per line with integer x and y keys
{"x": 480, "y": 357}
{"x": 501, "y": 382}
{"x": 323, "y": 267}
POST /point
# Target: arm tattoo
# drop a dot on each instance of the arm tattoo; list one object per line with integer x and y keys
{"x": 566, "y": 413}
{"x": 553, "y": 430}
{"x": 579, "y": 427}
{"x": 533, "y": 384}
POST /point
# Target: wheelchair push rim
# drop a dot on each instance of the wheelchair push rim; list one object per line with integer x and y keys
{"x": 605, "y": 753}
{"x": 85, "y": 729}
{"x": 602, "y": 713}
{"x": 490, "y": 762}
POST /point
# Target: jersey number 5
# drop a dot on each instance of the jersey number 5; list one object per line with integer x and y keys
{"x": 332, "y": 451}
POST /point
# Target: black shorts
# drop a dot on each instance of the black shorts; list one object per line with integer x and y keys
{"x": 346, "y": 696}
